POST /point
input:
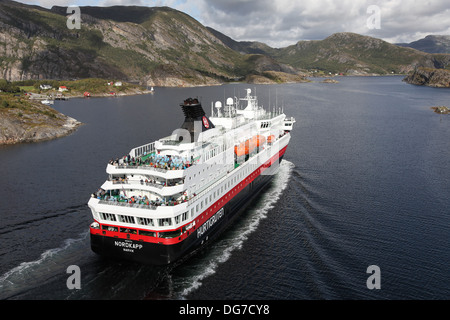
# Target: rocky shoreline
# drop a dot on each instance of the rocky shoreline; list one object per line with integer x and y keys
{"x": 30, "y": 121}
{"x": 17, "y": 126}
{"x": 105, "y": 95}
{"x": 437, "y": 78}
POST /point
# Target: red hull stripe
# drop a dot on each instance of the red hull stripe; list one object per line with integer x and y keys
{"x": 201, "y": 219}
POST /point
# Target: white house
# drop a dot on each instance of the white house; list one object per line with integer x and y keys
{"x": 62, "y": 89}
{"x": 45, "y": 86}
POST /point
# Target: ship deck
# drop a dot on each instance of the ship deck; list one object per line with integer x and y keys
{"x": 154, "y": 160}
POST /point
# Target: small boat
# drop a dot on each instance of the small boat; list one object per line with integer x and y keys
{"x": 47, "y": 102}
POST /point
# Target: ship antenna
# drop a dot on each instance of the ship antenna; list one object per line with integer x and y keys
{"x": 276, "y": 97}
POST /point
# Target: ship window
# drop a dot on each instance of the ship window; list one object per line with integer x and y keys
{"x": 147, "y": 233}
{"x": 126, "y": 219}
{"x": 108, "y": 216}
{"x": 170, "y": 234}
{"x": 192, "y": 212}
{"x": 185, "y": 216}
{"x": 128, "y": 230}
{"x": 145, "y": 221}
{"x": 110, "y": 228}
{"x": 178, "y": 218}
{"x": 164, "y": 222}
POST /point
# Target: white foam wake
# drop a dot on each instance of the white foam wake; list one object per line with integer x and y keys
{"x": 29, "y": 274}
{"x": 222, "y": 250}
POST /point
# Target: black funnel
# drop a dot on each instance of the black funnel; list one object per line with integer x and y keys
{"x": 193, "y": 112}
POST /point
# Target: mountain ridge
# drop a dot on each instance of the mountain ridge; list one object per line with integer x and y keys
{"x": 355, "y": 54}
{"x": 161, "y": 46}
{"x": 430, "y": 44}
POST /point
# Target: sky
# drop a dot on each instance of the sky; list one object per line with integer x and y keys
{"x": 280, "y": 23}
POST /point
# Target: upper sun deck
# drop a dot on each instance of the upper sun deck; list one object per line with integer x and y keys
{"x": 148, "y": 158}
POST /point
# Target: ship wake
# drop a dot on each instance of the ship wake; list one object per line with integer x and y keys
{"x": 205, "y": 265}
{"x": 34, "y": 273}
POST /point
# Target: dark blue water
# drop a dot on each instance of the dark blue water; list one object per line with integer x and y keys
{"x": 365, "y": 181}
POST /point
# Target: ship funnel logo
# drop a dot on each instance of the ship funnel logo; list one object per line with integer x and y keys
{"x": 205, "y": 122}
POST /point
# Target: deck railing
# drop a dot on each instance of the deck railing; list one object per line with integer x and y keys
{"x": 142, "y": 150}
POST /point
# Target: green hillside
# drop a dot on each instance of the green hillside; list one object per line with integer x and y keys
{"x": 349, "y": 52}
{"x": 112, "y": 42}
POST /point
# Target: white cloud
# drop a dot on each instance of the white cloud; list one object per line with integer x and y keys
{"x": 283, "y": 22}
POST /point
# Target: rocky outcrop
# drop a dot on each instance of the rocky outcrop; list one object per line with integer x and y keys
{"x": 438, "y": 78}
{"x": 17, "y": 126}
{"x": 441, "y": 110}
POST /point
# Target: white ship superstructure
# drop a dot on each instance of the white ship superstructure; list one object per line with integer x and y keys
{"x": 166, "y": 198}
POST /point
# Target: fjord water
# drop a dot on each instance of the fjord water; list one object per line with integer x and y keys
{"x": 365, "y": 181}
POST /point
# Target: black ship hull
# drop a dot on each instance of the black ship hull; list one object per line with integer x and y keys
{"x": 163, "y": 254}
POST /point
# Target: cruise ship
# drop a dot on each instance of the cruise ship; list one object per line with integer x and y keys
{"x": 166, "y": 199}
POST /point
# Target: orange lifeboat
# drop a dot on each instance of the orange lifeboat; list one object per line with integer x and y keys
{"x": 246, "y": 147}
{"x": 260, "y": 140}
{"x": 250, "y": 145}
{"x": 240, "y": 150}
